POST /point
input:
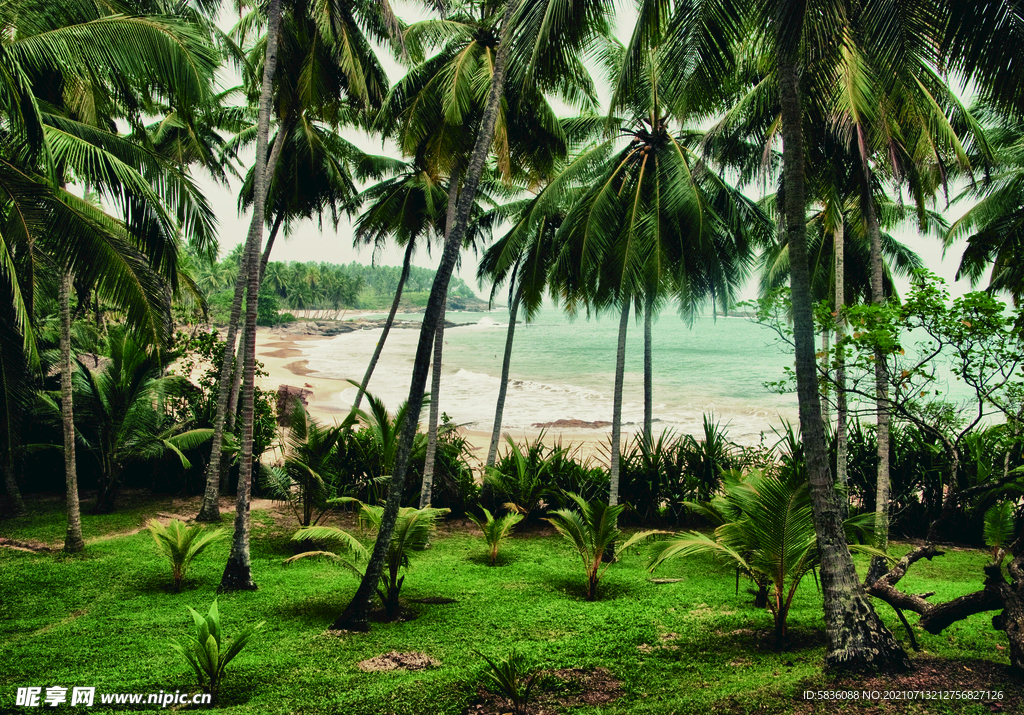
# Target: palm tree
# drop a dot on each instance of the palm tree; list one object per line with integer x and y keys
{"x": 560, "y": 35}
{"x": 120, "y": 412}
{"x": 326, "y": 42}
{"x": 766, "y": 528}
{"x": 79, "y": 139}
{"x": 656, "y": 220}
{"x": 854, "y": 642}
{"x": 407, "y": 208}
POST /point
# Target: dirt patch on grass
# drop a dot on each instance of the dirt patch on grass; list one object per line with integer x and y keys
{"x": 30, "y": 545}
{"x": 555, "y": 691}
{"x": 398, "y": 661}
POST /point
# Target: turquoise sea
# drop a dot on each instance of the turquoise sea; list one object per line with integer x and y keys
{"x": 564, "y": 369}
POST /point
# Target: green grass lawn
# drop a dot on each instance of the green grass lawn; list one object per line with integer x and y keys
{"x": 692, "y": 646}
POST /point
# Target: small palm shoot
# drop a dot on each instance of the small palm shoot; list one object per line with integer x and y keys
{"x": 412, "y": 533}
{"x": 593, "y": 530}
{"x": 512, "y": 678}
{"x": 206, "y": 651}
{"x": 181, "y": 544}
{"x": 495, "y": 530}
{"x": 767, "y": 530}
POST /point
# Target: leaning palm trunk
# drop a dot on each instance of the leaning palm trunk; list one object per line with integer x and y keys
{"x": 841, "y": 407}
{"x": 237, "y": 572}
{"x": 492, "y": 451}
{"x": 406, "y": 263}
{"x": 878, "y": 566}
{"x": 355, "y": 615}
{"x": 427, "y": 487}
{"x": 620, "y": 368}
{"x": 227, "y": 391}
{"x": 236, "y": 375}
{"x": 648, "y": 370}
{"x": 856, "y": 638}
{"x": 73, "y": 541}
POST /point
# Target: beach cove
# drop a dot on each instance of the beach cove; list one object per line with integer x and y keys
{"x": 561, "y": 375}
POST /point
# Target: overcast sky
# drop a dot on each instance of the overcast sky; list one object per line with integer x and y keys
{"x": 309, "y": 243}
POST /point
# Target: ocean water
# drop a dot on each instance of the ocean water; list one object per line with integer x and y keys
{"x": 564, "y": 369}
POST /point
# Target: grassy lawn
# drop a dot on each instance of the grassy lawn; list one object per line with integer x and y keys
{"x": 691, "y": 646}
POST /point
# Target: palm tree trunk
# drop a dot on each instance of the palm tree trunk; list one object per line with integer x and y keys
{"x": 236, "y": 375}
{"x": 841, "y": 406}
{"x": 237, "y": 572}
{"x": 406, "y": 263}
{"x": 427, "y": 487}
{"x": 492, "y": 450}
{"x": 824, "y": 389}
{"x": 879, "y": 566}
{"x": 355, "y": 614}
{"x": 73, "y": 541}
{"x": 227, "y": 392}
{"x": 270, "y": 241}
{"x": 856, "y": 638}
{"x": 620, "y": 369}
{"x": 648, "y": 370}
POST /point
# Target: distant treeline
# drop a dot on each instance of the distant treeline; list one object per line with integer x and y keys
{"x": 327, "y": 287}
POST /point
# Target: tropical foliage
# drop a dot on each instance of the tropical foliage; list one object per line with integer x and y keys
{"x": 208, "y": 652}
{"x": 181, "y": 543}
{"x": 765, "y": 528}
{"x": 592, "y": 529}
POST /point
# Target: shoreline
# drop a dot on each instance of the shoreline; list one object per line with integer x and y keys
{"x": 284, "y": 354}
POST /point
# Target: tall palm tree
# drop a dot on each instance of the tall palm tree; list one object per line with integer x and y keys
{"x": 548, "y": 37}
{"x": 327, "y": 66}
{"x": 84, "y": 91}
{"x": 430, "y": 107}
{"x": 406, "y": 207}
{"x": 857, "y": 638}
{"x": 657, "y": 220}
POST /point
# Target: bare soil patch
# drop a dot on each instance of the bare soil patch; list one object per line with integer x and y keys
{"x": 30, "y": 545}
{"x": 398, "y": 661}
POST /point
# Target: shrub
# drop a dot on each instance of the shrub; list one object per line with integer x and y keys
{"x": 593, "y": 530}
{"x": 495, "y": 530}
{"x": 181, "y": 544}
{"x": 523, "y": 476}
{"x": 206, "y": 651}
{"x": 308, "y": 480}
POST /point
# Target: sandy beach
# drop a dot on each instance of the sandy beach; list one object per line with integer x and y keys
{"x": 283, "y": 357}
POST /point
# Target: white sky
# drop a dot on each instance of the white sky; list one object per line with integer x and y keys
{"x": 308, "y": 243}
